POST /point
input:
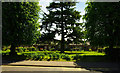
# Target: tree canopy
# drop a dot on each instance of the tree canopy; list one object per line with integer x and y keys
{"x": 20, "y": 23}
{"x": 62, "y": 20}
{"x": 102, "y": 23}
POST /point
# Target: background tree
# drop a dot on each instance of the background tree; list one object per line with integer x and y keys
{"x": 62, "y": 20}
{"x": 102, "y": 23}
{"x": 19, "y": 23}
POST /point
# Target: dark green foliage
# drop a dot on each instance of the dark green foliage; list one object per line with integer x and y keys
{"x": 41, "y": 56}
{"x": 102, "y": 23}
{"x": 46, "y": 56}
{"x": 66, "y": 57}
{"x": 21, "y": 49}
{"x": 62, "y": 20}
{"x": 35, "y": 56}
{"x": 77, "y": 57}
{"x": 114, "y": 53}
{"x": 20, "y": 23}
{"x": 57, "y": 56}
{"x": 26, "y": 49}
{"x": 7, "y": 53}
{"x": 52, "y": 49}
{"x": 28, "y": 55}
{"x": 5, "y": 48}
{"x": 31, "y": 49}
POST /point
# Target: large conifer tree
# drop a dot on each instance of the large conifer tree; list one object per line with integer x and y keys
{"x": 62, "y": 19}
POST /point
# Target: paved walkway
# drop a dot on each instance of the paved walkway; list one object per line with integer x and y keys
{"x": 97, "y": 66}
{"x": 31, "y": 68}
{"x": 42, "y": 63}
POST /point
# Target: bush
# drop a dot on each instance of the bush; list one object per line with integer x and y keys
{"x": 31, "y": 48}
{"x": 5, "y": 48}
{"x": 52, "y": 49}
{"x": 41, "y": 56}
{"x": 56, "y": 56}
{"x": 90, "y": 49}
{"x": 28, "y": 55}
{"x": 25, "y": 49}
{"x": 21, "y": 49}
{"x": 77, "y": 57}
{"x": 51, "y": 56}
{"x": 66, "y": 57}
{"x": 35, "y": 56}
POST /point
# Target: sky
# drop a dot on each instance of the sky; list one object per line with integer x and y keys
{"x": 79, "y": 7}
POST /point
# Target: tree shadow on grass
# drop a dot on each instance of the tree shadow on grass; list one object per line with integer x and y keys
{"x": 98, "y": 63}
{"x": 6, "y": 59}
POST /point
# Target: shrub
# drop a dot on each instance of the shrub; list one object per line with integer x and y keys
{"x": 41, "y": 56}
{"x": 28, "y": 55}
{"x": 90, "y": 49}
{"x": 56, "y": 56}
{"x": 31, "y": 48}
{"x": 5, "y": 48}
{"x": 51, "y": 56}
{"x": 35, "y": 56}
{"x": 22, "y": 49}
{"x": 52, "y": 49}
{"x": 77, "y": 57}
{"x": 65, "y": 56}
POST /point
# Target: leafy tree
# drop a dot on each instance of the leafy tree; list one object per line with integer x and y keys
{"x": 102, "y": 23}
{"x": 62, "y": 20}
{"x": 20, "y": 23}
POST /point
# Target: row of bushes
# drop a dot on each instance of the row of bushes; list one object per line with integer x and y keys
{"x": 47, "y": 56}
{"x": 55, "y": 56}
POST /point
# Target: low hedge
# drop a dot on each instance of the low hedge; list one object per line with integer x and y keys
{"x": 47, "y": 56}
{"x": 55, "y": 55}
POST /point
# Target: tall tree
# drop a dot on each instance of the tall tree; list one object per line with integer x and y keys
{"x": 102, "y": 23}
{"x": 20, "y": 23}
{"x": 62, "y": 20}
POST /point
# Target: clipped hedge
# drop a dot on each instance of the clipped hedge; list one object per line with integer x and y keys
{"x": 47, "y": 56}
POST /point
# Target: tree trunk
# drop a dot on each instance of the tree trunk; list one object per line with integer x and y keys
{"x": 12, "y": 52}
{"x": 62, "y": 27}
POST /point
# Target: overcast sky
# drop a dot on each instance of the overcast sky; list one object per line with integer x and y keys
{"x": 79, "y": 7}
